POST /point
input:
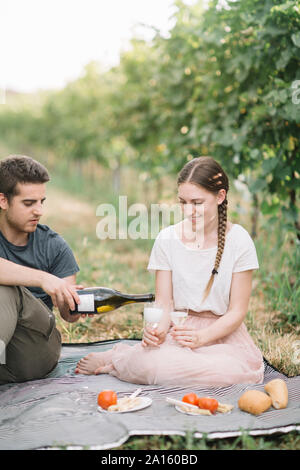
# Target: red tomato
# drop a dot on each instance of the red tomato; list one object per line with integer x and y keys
{"x": 107, "y": 398}
{"x": 191, "y": 398}
{"x": 208, "y": 404}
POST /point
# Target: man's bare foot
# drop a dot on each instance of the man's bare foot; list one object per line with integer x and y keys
{"x": 94, "y": 363}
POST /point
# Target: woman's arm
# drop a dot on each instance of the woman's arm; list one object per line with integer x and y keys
{"x": 240, "y": 292}
{"x": 163, "y": 297}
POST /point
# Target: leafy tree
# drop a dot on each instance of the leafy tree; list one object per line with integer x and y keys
{"x": 249, "y": 54}
{"x": 225, "y": 83}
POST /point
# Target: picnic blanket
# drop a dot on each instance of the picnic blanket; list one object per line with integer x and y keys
{"x": 60, "y": 411}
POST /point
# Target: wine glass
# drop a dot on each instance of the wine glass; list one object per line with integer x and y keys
{"x": 152, "y": 314}
{"x": 179, "y": 315}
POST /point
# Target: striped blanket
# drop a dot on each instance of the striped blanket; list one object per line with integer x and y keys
{"x": 61, "y": 410}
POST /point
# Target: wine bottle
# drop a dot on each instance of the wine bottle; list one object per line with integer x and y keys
{"x": 95, "y": 300}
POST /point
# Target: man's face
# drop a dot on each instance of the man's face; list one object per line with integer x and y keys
{"x": 23, "y": 212}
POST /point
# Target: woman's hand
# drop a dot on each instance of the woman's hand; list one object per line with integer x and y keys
{"x": 153, "y": 336}
{"x": 190, "y": 338}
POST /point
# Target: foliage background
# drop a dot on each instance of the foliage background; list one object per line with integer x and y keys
{"x": 224, "y": 83}
{"x": 220, "y": 84}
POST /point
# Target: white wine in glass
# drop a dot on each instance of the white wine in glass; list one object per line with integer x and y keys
{"x": 179, "y": 316}
{"x": 152, "y": 314}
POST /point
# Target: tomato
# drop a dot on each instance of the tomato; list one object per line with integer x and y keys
{"x": 191, "y": 398}
{"x": 107, "y": 398}
{"x": 208, "y": 404}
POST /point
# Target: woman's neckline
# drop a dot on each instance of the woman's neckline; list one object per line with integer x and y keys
{"x": 204, "y": 249}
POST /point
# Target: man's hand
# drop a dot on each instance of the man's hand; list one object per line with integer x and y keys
{"x": 60, "y": 291}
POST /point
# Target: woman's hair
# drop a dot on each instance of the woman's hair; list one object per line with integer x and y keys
{"x": 20, "y": 169}
{"x": 206, "y": 172}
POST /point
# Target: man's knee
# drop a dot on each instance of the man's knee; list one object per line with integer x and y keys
{"x": 27, "y": 327}
{"x": 10, "y": 306}
{"x": 9, "y": 294}
{"x": 31, "y": 356}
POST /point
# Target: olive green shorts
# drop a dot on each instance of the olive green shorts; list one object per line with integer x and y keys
{"x": 30, "y": 344}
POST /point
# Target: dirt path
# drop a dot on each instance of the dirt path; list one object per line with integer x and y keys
{"x": 64, "y": 211}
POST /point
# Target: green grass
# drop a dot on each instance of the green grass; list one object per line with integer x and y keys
{"x": 290, "y": 441}
{"x": 122, "y": 264}
{"x": 279, "y": 271}
{"x": 273, "y": 317}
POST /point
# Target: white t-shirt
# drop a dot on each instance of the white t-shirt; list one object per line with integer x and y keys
{"x": 191, "y": 268}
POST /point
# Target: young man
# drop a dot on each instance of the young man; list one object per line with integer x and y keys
{"x": 37, "y": 270}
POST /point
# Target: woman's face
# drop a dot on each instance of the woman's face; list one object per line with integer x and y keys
{"x": 198, "y": 203}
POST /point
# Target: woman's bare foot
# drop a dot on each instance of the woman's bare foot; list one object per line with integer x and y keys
{"x": 94, "y": 363}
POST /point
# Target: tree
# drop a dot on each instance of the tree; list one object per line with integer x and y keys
{"x": 247, "y": 116}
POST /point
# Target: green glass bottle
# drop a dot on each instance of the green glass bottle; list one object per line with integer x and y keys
{"x": 94, "y": 300}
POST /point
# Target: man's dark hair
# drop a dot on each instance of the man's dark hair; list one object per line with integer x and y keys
{"x": 20, "y": 169}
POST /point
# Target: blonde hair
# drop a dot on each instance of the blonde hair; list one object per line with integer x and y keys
{"x": 206, "y": 172}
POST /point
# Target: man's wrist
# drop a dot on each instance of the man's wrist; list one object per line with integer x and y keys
{"x": 41, "y": 278}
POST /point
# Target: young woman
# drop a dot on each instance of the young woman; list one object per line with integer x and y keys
{"x": 204, "y": 264}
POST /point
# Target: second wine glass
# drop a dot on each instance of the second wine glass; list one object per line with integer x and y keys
{"x": 179, "y": 316}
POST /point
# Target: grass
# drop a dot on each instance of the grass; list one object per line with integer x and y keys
{"x": 290, "y": 441}
{"x": 273, "y": 316}
{"x": 122, "y": 264}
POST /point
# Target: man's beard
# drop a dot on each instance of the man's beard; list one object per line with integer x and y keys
{"x": 17, "y": 227}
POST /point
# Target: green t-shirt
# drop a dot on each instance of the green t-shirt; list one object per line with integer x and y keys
{"x": 46, "y": 251}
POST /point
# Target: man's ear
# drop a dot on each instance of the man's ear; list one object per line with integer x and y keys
{"x": 3, "y": 201}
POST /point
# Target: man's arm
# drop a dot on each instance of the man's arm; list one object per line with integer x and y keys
{"x": 60, "y": 290}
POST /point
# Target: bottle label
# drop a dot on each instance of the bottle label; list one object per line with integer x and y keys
{"x": 87, "y": 303}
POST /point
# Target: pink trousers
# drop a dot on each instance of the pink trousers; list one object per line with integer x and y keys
{"x": 230, "y": 360}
